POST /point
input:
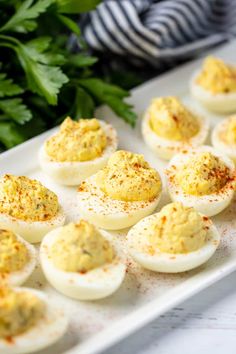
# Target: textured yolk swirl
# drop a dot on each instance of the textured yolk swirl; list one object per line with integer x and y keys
{"x": 80, "y": 248}
{"x": 217, "y": 77}
{"x": 229, "y": 135}
{"x": 27, "y": 199}
{"x": 13, "y": 254}
{"x": 84, "y": 140}
{"x": 19, "y": 311}
{"x": 203, "y": 174}
{"x": 170, "y": 119}
{"x": 178, "y": 229}
{"x": 129, "y": 177}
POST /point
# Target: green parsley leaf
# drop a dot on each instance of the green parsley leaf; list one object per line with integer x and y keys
{"x": 76, "y": 6}
{"x": 112, "y": 96}
{"x": 28, "y": 10}
{"x": 36, "y": 50}
{"x": 36, "y": 59}
{"x": 40, "y": 44}
{"x": 9, "y": 134}
{"x": 43, "y": 79}
{"x": 7, "y": 87}
{"x": 72, "y": 25}
{"x": 100, "y": 88}
{"x": 84, "y": 104}
{"x": 14, "y": 109}
{"x": 81, "y": 60}
{"x": 26, "y": 26}
{"x": 122, "y": 109}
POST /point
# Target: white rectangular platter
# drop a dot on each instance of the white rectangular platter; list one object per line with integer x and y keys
{"x": 144, "y": 295}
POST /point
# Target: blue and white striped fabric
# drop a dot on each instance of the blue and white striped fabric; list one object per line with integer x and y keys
{"x": 152, "y": 31}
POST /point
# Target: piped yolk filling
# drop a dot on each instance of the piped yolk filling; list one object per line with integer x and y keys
{"x": 204, "y": 174}
{"x": 170, "y": 119}
{"x": 82, "y": 140}
{"x": 27, "y": 199}
{"x": 178, "y": 229}
{"x": 80, "y": 248}
{"x": 217, "y": 77}
{"x": 13, "y": 254}
{"x": 19, "y": 311}
{"x": 229, "y": 134}
{"x": 128, "y": 177}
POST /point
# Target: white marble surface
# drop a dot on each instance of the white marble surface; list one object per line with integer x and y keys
{"x": 206, "y": 323}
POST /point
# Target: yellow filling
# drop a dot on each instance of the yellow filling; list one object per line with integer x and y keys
{"x": 229, "y": 134}
{"x": 27, "y": 199}
{"x": 13, "y": 254}
{"x": 217, "y": 77}
{"x": 203, "y": 174}
{"x": 19, "y": 311}
{"x": 129, "y": 177}
{"x": 80, "y": 247}
{"x": 178, "y": 229}
{"x": 170, "y": 119}
{"x": 83, "y": 140}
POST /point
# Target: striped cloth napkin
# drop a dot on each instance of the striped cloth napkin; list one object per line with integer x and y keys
{"x": 159, "y": 32}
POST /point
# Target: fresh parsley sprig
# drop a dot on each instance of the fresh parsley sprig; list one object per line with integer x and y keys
{"x": 41, "y": 81}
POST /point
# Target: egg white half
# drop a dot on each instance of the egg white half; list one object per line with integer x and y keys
{"x": 111, "y": 214}
{"x": 31, "y": 231}
{"x": 92, "y": 285}
{"x": 215, "y": 102}
{"x": 139, "y": 246}
{"x": 210, "y": 204}
{"x": 218, "y": 143}
{"x": 72, "y": 173}
{"x": 17, "y": 278}
{"x": 44, "y": 333}
{"x": 166, "y": 148}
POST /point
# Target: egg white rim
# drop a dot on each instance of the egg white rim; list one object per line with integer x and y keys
{"x": 102, "y": 203}
{"x": 112, "y": 143}
{"x": 217, "y": 142}
{"x": 24, "y": 273}
{"x": 175, "y": 189}
{"x": 172, "y": 145}
{"x": 40, "y": 335}
{"x": 138, "y": 244}
{"x": 8, "y": 219}
{"x": 101, "y": 274}
{"x": 207, "y": 94}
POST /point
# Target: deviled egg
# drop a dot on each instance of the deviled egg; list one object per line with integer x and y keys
{"x": 121, "y": 194}
{"x": 169, "y": 126}
{"x": 214, "y": 86}
{"x": 17, "y": 258}
{"x": 174, "y": 240}
{"x": 28, "y": 208}
{"x": 82, "y": 262}
{"x": 202, "y": 178}
{"x": 224, "y": 137}
{"x": 78, "y": 150}
{"x": 29, "y": 321}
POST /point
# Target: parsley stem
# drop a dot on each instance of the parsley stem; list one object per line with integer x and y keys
{"x": 2, "y": 44}
{"x": 10, "y": 39}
